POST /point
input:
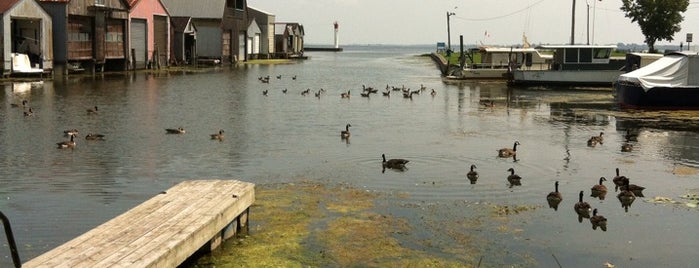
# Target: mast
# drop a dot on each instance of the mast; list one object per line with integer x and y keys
{"x": 572, "y": 26}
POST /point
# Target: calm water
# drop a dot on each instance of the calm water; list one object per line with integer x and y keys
{"x": 53, "y": 195}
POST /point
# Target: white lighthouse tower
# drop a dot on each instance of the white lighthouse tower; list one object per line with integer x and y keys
{"x": 337, "y": 37}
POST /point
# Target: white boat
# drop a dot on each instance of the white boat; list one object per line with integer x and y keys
{"x": 574, "y": 65}
{"x": 496, "y": 62}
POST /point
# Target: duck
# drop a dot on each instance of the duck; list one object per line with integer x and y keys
{"x": 174, "y": 130}
{"x": 345, "y": 95}
{"x": 554, "y": 196}
{"x": 94, "y": 137}
{"x": 507, "y": 152}
{"x": 619, "y": 180}
{"x": 472, "y": 175}
{"x": 582, "y": 207}
{"x": 513, "y": 178}
{"x": 627, "y": 147}
{"x": 92, "y": 110}
{"x": 29, "y": 113}
{"x": 345, "y": 133}
{"x": 70, "y": 132}
{"x": 67, "y": 144}
{"x": 598, "y": 221}
{"x": 394, "y": 163}
{"x": 217, "y": 136}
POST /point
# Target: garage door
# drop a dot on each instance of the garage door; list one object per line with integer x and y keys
{"x": 138, "y": 42}
{"x": 160, "y": 38}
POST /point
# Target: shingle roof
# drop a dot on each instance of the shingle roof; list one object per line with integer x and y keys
{"x": 6, "y": 5}
{"x": 210, "y": 9}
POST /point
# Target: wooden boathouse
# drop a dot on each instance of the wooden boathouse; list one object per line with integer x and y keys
{"x": 163, "y": 231}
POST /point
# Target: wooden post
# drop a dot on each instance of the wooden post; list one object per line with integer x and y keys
{"x": 133, "y": 59}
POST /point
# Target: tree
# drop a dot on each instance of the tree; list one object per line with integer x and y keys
{"x": 658, "y": 19}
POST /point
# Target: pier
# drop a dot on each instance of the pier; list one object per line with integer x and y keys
{"x": 163, "y": 231}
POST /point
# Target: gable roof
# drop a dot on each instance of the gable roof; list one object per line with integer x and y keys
{"x": 6, "y": 5}
{"x": 212, "y": 9}
{"x": 132, "y": 3}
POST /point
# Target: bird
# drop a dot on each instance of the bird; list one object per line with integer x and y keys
{"x": 635, "y": 189}
{"x": 619, "y": 180}
{"x": 344, "y": 95}
{"x": 592, "y": 142}
{"x": 582, "y": 207}
{"x": 599, "y": 139}
{"x": 284, "y": 90}
{"x": 513, "y": 178}
{"x": 627, "y": 147}
{"x": 92, "y": 110}
{"x": 70, "y": 132}
{"x": 598, "y": 221}
{"x": 554, "y": 198}
{"x": 174, "y": 130}
{"x": 217, "y": 136}
{"x": 394, "y": 163}
{"x": 293, "y": 77}
{"x": 488, "y": 104}
{"x": 14, "y": 105}
{"x": 599, "y": 187}
{"x": 433, "y": 93}
{"x": 345, "y": 133}
{"x": 67, "y": 144}
{"x": 472, "y": 175}
{"x": 94, "y": 137}
{"x": 386, "y": 93}
{"x": 365, "y": 94}
{"x": 626, "y": 197}
{"x": 279, "y": 76}
{"x": 264, "y": 92}
{"x": 507, "y": 152}
{"x": 305, "y": 92}
{"x": 29, "y": 113}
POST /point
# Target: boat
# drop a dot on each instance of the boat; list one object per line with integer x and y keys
{"x": 574, "y": 65}
{"x": 671, "y": 82}
{"x": 495, "y": 62}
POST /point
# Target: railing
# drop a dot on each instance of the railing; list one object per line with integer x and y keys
{"x": 10, "y": 240}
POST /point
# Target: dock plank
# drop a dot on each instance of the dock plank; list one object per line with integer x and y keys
{"x": 161, "y": 232}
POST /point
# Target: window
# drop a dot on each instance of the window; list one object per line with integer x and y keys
{"x": 602, "y": 53}
{"x": 571, "y": 55}
{"x": 99, "y": 2}
{"x": 240, "y": 4}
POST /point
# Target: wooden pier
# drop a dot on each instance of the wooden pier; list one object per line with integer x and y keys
{"x": 163, "y": 231}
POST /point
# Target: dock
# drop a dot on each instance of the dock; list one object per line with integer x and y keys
{"x": 323, "y": 49}
{"x": 163, "y": 231}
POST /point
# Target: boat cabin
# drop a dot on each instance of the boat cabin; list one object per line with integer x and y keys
{"x": 500, "y": 57}
{"x": 584, "y": 57}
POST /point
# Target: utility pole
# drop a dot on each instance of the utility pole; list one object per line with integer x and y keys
{"x": 449, "y": 30}
{"x": 572, "y": 26}
{"x": 588, "y": 23}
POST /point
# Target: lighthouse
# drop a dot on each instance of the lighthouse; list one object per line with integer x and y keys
{"x": 337, "y": 37}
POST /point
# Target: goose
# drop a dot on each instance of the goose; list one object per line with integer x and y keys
{"x": 394, "y": 163}
{"x": 555, "y": 195}
{"x": 345, "y": 133}
{"x": 217, "y": 136}
{"x": 174, "y": 130}
{"x": 627, "y": 147}
{"x": 408, "y": 95}
{"x": 279, "y": 76}
{"x": 599, "y": 139}
{"x": 416, "y": 92}
{"x": 318, "y": 94}
{"x": 92, "y": 110}
{"x": 284, "y": 90}
{"x": 507, "y": 152}
{"x": 598, "y": 221}
{"x": 305, "y": 92}
{"x": 14, "y": 105}
{"x": 67, "y": 144}
{"x": 422, "y": 87}
{"x": 433, "y": 93}
{"x": 488, "y": 104}
{"x": 293, "y": 77}
{"x": 70, "y": 132}
{"x": 472, "y": 175}
{"x": 635, "y": 189}
{"x": 582, "y": 207}
{"x": 387, "y": 93}
{"x": 513, "y": 178}
{"x": 29, "y": 113}
{"x": 345, "y": 95}
{"x": 365, "y": 94}
{"x": 619, "y": 180}
{"x": 592, "y": 142}
{"x": 626, "y": 197}
{"x": 264, "y": 92}
{"x": 94, "y": 137}
{"x": 599, "y": 187}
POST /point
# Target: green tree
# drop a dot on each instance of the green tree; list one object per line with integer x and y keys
{"x": 659, "y": 19}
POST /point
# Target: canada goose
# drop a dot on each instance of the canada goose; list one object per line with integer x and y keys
{"x": 394, "y": 163}
{"x": 416, "y": 92}
{"x": 345, "y": 133}
{"x": 554, "y": 198}
{"x": 293, "y": 77}
{"x": 581, "y": 207}
{"x": 599, "y": 139}
{"x": 472, "y": 175}
{"x": 627, "y": 147}
{"x": 345, "y": 95}
{"x": 592, "y": 142}
{"x": 635, "y": 189}
{"x": 67, "y": 144}
{"x": 513, "y": 178}
{"x": 264, "y": 92}
{"x": 599, "y": 187}
{"x": 14, "y": 105}
{"x": 92, "y": 110}
{"x": 70, "y": 132}
{"x": 488, "y": 104}
{"x": 217, "y": 136}
{"x": 626, "y": 197}
{"x": 305, "y": 92}
{"x": 619, "y": 180}
{"x": 387, "y": 93}
{"x": 29, "y": 113}
{"x": 94, "y": 137}
{"x": 284, "y": 90}
{"x": 422, "y": 87}
{"x": 365, "y": 94}
{"x": 433, "y": 93}
{"x": 318, "y": 94}
{"x": 507, "y": 152}
{"x": 174, "y": 130}
{"x": 279, "y": 76}
{"x": 408, "y": 95}
{"x": 598, "y": 221}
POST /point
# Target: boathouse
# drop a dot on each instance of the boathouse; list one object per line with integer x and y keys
{"x": 288, "y": 39}
{"x": 149, "y": 34}
{"x": 265, "y": 22}
{"x": 25, "y": 28}
{"x": 88, "y": 34}
{"x": 221, "y": 27}
{"x": 184, "y": 40}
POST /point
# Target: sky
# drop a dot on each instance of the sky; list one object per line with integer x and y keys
{"x": 487, "y": 22}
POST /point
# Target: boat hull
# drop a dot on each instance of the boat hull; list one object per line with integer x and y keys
{"x": 582, "y": 78}
{"x": 632, "y": 95}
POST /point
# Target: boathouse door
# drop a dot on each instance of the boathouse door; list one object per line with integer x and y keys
{"x": 138, "y": 42}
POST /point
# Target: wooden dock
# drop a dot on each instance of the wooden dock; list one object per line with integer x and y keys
{"x": 163, "y": 231}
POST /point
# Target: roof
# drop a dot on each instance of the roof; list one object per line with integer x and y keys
{"x": 180, "y": 23}
{"x": 576, "y": 46}
{"x": 260, "y": 10}
{"x": 132, "y": 3}
{"x": 56, "y": 1}
{"x": 213, "y": 9}
{"x": 506, "y": 49}
{"x": 6, "y": 5}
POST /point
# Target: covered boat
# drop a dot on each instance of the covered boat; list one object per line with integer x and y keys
{"x": 671, "y": 82}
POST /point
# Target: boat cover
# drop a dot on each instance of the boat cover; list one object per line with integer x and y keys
{"x": 669, "y": 71}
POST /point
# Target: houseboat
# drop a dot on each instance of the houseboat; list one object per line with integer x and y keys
{"x": 496, "y": 61}
{"x": 671, "y": 82}
{"x": 574, "y": 65}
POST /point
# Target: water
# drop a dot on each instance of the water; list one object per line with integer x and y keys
{"x": 53, "y": 195}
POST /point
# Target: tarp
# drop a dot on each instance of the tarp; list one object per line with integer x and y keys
{"x": 669, "y": 71}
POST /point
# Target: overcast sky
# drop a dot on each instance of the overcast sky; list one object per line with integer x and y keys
{"x": 490, "y": 22}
